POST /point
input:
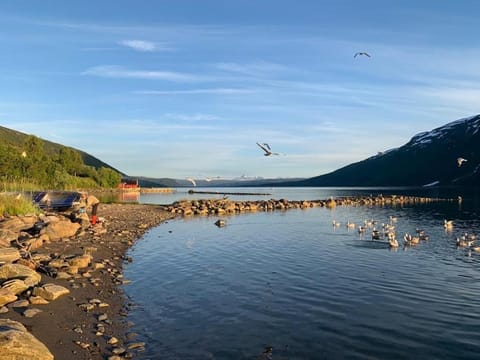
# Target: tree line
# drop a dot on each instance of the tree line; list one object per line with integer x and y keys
{"x": 30, "y": 166}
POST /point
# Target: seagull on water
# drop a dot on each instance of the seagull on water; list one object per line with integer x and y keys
{"x": 268, "y": 151}
{"x": 361, "y": 53}
{"x": 460, "y": 161}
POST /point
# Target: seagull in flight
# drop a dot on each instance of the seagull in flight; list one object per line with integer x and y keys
{"x": 460, "y": 161}
{"x": 361, "y": 53}
{"x": 268, "y": 151}
{"x": 192, "y": 181}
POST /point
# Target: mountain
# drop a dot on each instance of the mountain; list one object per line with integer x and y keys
{"x": 429, "y": 158}
{"x": 215, "y": 182}
{"x": 16, "y": 139}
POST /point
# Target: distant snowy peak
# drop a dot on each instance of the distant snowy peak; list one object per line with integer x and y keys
{"x": 466, "y": 126}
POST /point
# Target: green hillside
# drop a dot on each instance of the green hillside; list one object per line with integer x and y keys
{"x": 29, "y": 162}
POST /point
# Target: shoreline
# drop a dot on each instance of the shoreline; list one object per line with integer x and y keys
{"x": 64, "y": 325}
{"x": 75, "y": 326}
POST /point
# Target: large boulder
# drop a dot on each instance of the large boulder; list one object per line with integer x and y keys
{"x": 16, "y": 343}
{"x": 18, "y": 223}
{"x": 63, "y": 228}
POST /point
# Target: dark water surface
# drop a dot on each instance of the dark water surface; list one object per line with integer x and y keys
{"x": 293, "y": 282}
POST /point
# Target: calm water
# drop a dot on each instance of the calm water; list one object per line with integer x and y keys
{"x": 292, "y": 281}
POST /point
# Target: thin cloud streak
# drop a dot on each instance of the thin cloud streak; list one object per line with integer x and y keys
{"x": 212, "y": 91}
{"x": 112, "y": 71}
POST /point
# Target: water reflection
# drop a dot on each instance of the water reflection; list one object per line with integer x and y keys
{"x": 291, "y": 286}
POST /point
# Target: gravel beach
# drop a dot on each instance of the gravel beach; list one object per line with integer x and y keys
{"x": 89, "y": 322}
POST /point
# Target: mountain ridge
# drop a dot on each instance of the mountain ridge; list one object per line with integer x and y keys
{"x": 428, "y": 158}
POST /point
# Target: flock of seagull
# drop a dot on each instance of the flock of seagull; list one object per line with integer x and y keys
{"x": 387, "y": 233}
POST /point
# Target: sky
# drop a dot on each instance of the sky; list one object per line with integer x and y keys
{"x": 186, "y": 88}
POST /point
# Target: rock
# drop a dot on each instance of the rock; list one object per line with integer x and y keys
{"x": 83, "y": 345}
{"x": 17, "y": 271}
{"x": 9, "y": 255}
{"x": 63, "y": 228}
{"x": 98, "y": 266}
{"x": 7, "y": 236}
{"x": 29, "y": 313}
{"x": 37, "y": 300}
{"x": 86, "y": 307}
{"x": 136, "y": 345}
{"x": 6, "y": 297}
{"x": 57, "y": 263}
{"x": 117, "y": 351}
{"x": 81, "y": 261}
{"x": 72, "y": 270}
{"x": 16, "y": 343}
{"x": 62, "y": 275}
{"x": 27, "y": 262}
{"x": 3, "y": 309}
{"x": 50, "y": 291}
{"x": 15, "y": 286}
{"x": 37, "y": 242}
{"x": 112, "y": 341}
{"x": 19, "y": 303}
{"x": 18, "y": 223}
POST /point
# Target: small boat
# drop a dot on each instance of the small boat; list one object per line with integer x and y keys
{"x": 57, "y": 200}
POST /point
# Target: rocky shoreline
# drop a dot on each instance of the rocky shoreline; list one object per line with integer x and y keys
{"x": 87, "y": 319}
{"x": 63, "y": 281}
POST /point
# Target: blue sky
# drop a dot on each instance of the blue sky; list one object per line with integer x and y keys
{"x": 186, "y": 88}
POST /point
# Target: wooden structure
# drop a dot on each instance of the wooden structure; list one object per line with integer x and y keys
{"x": 129, "y": 185}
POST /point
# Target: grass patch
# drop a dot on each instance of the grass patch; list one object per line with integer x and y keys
{"x": 17, "y": 205}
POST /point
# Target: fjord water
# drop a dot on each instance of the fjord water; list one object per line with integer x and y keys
{"x": 293, "y": 282}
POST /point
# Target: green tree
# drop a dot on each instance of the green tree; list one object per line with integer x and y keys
{"x": 108, "y": 178}
{"x": 70, "y": 160}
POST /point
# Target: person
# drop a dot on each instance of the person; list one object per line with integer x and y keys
{"x": 89, "y": 201}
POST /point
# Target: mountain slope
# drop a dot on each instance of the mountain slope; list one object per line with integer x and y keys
{"x": 429, "y": 158}
{"x": 16, "y": 139}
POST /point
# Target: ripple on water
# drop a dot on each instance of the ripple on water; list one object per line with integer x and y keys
{"x": 292, "y": 281}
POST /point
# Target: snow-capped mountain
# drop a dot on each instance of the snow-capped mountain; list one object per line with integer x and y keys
{"x": 429, "y": 158}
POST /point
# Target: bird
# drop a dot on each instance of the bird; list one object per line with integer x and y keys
{"x": 192, "y": 181}
{"x": 361, "y": 53}
{"x": 460, "y": 161}
{"x": 268, "y": 151}
{"x": 448, "y": 224}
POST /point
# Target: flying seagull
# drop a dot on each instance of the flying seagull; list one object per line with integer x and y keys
{"x": 192, "y": 181}
{"x": 460, "y": 161}
{"x": 268, "y": 151}
{"x": 361, "y": 53}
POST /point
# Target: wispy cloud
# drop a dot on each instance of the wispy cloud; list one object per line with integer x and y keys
{"x": 253, "y": 69}
{"x": 144, "y": 46}
{"x": 139, "y": 45}
{"x": 111, "y": 71}
{"x": 190, "y": 117}
{"x": 212, "y": 91}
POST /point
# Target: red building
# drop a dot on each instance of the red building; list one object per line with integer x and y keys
{"x": 129, "y": 184}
